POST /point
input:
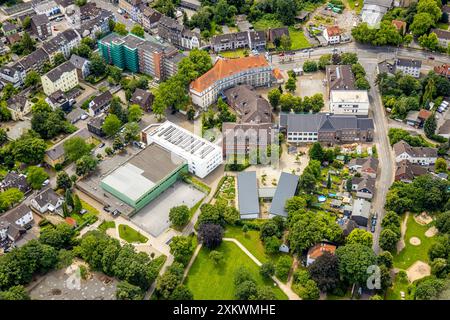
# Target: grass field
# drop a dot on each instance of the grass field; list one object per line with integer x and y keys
{"x": 105, "y": 225}
{"x": 410, "y": 253}
{"x": 442, "y": 25}
{"x": 298, "y": 39}
{"x": 210, "y": 282}
{"x": 351, "y": 4}
{"x": 130, "y": 235}
{"x": 266, "y": 23}
{"x": 393, "y": 293}
{"x": 239, "y": 53}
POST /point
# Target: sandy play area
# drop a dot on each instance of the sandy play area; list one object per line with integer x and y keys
{"x": 431, "y": 232}
{"x": 418, "y": 270}
{"x": 423, "y": 219}
{"x": 414, "y": 241}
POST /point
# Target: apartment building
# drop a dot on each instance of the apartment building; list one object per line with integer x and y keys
{"x": 416, "y": 155}
{"x": 408, "y": 66}
{"x": 131, "y": 7}
{"x": 35, "y": 60}
{"x": 233, "y": 41}
{"x": 351, "y": 102}
{"x": 178, "y": 35}
{"x": 443, "y": 37}
{"x": 63, "y": 43}
{"x": 149, "y": 18}
{"x": 15, "y": 74}
{"x": 227, "y": 73}
{"x": 40, "y": 26}
{"x": 340, "y": 77}
{"x": 332, "y": 34}
{"x": 64, "y": 77}
{"x": 19, "y": 106}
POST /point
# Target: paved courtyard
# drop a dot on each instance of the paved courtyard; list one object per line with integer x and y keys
{"x": 154, "y": 218}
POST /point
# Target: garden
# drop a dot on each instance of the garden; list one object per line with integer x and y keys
{"x": 130, "y": 235}
{"x": 227, "y": 191}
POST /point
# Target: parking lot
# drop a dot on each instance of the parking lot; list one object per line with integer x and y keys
{"x": 154, "y": 218}
{"x": 310, "y": 84}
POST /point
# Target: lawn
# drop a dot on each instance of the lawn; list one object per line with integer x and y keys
{"x": 298, "y": 39}
{"x": 105, "y": 225}
{"x": 393, "y": 293}
{"x": 130, "y": 235}
{"x": 442, "y": 25}
{"x": 351, "y": 4}
{"x": 410, "y": 253}
{"x": 87, "y": 218}
{"x": 239, "y": 53}
{"x": 210, "y": 282}
{"x": 266, "y": 23}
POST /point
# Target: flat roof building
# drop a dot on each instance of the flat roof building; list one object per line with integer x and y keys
{"x": 248, "y": 195}
{"x": 201, "y": 155}
{"x": 145, "y": 176}
{"x": 287, "y": 185}
{"x": 349, "y": 102}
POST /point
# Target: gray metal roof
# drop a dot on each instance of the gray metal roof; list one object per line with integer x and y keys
{"x": 287, "y": 185}
{"x": 247, "y": 193}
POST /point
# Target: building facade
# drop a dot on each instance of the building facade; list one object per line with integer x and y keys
{"x": 351, "y": 102}
{"x": 417, "y": 155}
{"x": 64, "y": 77}
{"x": 408, "y": 66}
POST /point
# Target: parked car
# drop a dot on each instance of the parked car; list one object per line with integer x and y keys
{"x": 372, "y": 229}
{"x": 83, "y": 211}
{"x": 101, "y": 145}
{"x": 107, "y": 209}
{"x": 431, "y": 57}
{"x": 84, "y": 117}
{"x": 374, "y": 221}
{"x": 45, "y": 183}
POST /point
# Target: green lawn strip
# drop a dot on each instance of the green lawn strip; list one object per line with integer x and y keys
{"x": 210, "y": 282}
{"x": 393, "y": 293}
{"x": 239, "y": 53}
{"x": 442, "y": 25}
{"x": 130, "y": 235}
{"x": 264, "y": 24}
{"x": 298, "y": 39}
{"x": 197, "y": 183}
{"x": 251, "y": 241}
{"x": 410, "y": 253}
{"x": 88, "y": 207}
{"x": 105, "y": 225}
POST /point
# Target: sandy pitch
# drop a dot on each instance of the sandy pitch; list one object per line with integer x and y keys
{"x": 431, "y": 232}
{"x": 414, "y": 241}
{"x": 423, "y": 218}
{"x": 418, "y": 270}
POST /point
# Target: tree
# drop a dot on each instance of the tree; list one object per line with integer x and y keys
{"x": 272, "y": 244}
{"x": 168, "y": 282}
{"x": 77, "y": 206}
{"x": 36, "y": 176}
{"x": 325, "y": 271}
{"x": 137, "y": 30}
{"x": 98, "y": 65}
{"x": 309, "y": 66}
{"x": 421, "y": 24}
{"x": 385, "y": 258}
{"x": 69, "y": 198}
{"x": 9, "y": 198}
{"x": 324, "y": 61}
{"x": 429, "y": 41}
{"x": 32, "y": 78}
{"x": 431, "y": 7}
{"x": 63, "y": 181}
{"x": 181, "y": 248}
{"x": 60, "y": 237}
{"x": 360, "y": 236}
{"x": 26, "y": 22}
{"x": 58, "y": 59}
{"x": 75, "y": 148}
{"x": 388, "y": 240}
{"x": 286, "y": 10}
{"x": 135, "y": 113}
{"x": 181, "y": 292}
{"x": 428, "y": 288}
{"x": 354, "y": 259}
{"x": 282, "y": 267}
{"x": 316, "y": 152}
{"x": 309, "y": 291}
{"x": 362, "y": 84}
{"x": 27, "y": 43}
{"x": 440, "y": 165}
{"x": 120, "y": 29}
{"x": 285, "y": 42}
{"x": 127, "y": 291}
{"x": 246, "y": 290}
{"x": 111, "y": 125}
{"x": 15, "y": 292}
{"x": 443, "y": 222}
{"x": 114, "y": 74}
{"x": 131, "y": 131}
{"x": 290, "y": 85}
{"x": 179, "y": 215}
{"x": 268, "y": 229}
{"x": 430, "y": 126}
{"x": 295, "y": 203}
{"x": 216, "y": 257}
{"x": 265, "y": 293}
{"x": 111, "y": 24}
{"x": 267, "y": 269}
{"x": 29, "y": 149}
{"x": 210, "y": 235}
{"x": 85, "y": 165}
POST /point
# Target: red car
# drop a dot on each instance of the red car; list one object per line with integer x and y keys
{"x": 431, "y": 57}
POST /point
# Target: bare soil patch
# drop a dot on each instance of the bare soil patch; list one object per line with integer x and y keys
{"x": 431, "y": 232}
{"x": 414, "y": 241}
{"x": 418, "y": 270}
{"x": 423, "y": 218}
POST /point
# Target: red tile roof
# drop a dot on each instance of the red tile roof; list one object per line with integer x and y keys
{"x": 424, "y": 114}
{"x": 443, "y": 70}
{"x": 71, "y": 221}
{"x": 333, "y": 31}
{"x": 318, "y": 250}
{"x": 399, "y": 25}
{"x": 224, "y": 68}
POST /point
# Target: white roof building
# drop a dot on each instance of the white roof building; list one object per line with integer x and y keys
{"x": 353, "y": 102}
{"x": 201, "y": 155}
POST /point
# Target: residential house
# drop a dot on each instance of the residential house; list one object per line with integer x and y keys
{"x": 95, "y": 125}
{"x": 63, "y": 43}
{"x": 100, "y": 104}
{"x": 75, "y": 115}
{"x": 47, "y": 7}
{"x": 444, "y": 129}
{"x": 14, "y": 38}
{"x": 19, "y": 106}
{"x": 364, "y": 187}
{"x": 347, "y": 226}
{"x": 349, "y": 102}
{"x": 95, "y": 21}
{"x": 15, "y": 180}
{"x": 274, "y": 34}
{"x": 408, "y": 66}
{"x": 255, "y": 40}
{"x": 364, "y": 166}
{"x": 82, "y": 65}
{"x": 340, "y": 77}
{"x": 178, "y": 35}
{"x": 142, "y": 98}
{"x": 301, "y": 128}
{"x": 318, "y": 250}
{"x": 419, "y": 155}
{"x": 48, "y": 201}
{"x": 14, "y": 223}
{"x": 443, "y": 70}
{"x": 250, "y": 106}
{"x": 9, "y": 28}
{"x": 66, "y": 5}
{"x": 150, "y": 18}
{"x": 361, "y": 212}
{"x": 131, "y": 7}
{"x": 40, "y": 26}
{"x": 332, "y": 34}
{"x": 14, "y": 74}
{"x": 400, "y": 26}
{"x": 59, "y": 100}
{"x": 226, "y": 73}
{"x": 64, "y": 77}
{"x": 443, "y": 37}
{"x": 35, "y": 60}
{"x": 56, "y": 155}
{"x": 406, "y": 171}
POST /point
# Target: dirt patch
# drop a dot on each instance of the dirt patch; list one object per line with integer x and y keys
{"x": 431, "y": 232}
{"x": 418, "y": 270}
{"x": 401, "y": 243}
{"x": 414, "y": 241}
{"x": 423, "y": 219}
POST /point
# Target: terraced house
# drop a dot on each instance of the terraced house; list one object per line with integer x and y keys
{"x": 227, "y": 73}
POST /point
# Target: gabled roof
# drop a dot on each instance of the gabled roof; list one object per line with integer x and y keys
{"x": 441, "y": 34}
{"x": 333, "y": 31}
{"x": 225, "y": 68}
{"x": 57, "y": 151}
{"x": 287, "y": 185}
{"x": 40, "y": 19}
{"x": 361, "y": 208}
{"x": 78, "y": 61}
{"x": 399, "y": 25}
{"x": 15, "y": 180}
{"x": 101, "y": 100}
{"x": 340, "y": 77}
{"x": 249, "y": 104}
{"x": 319, "y": 249}
{"x": 424, "y": 114}
{"x": 17, "y": 102}
{"x": 408, "y": 170}
{"x": 38, "y": 56}
{"x": 56, "y": 73}
{"x": 16, "y": 213}
{"x": 247, "y": 193}
{"x": 403, "y": 147}
{"x": 48, "y": 196}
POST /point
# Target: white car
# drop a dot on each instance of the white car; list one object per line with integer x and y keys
{"x": 84, "y": 117}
